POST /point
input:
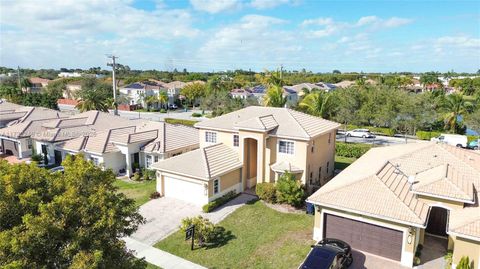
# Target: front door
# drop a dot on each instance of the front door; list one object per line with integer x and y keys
{"x": 136, "y": 161}
{"x": 58, "y": 157}
{"x": 437, "y": 222}
{"x": 45, "y": 154}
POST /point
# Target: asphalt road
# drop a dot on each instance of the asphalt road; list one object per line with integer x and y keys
{"x": 378, "y": 140}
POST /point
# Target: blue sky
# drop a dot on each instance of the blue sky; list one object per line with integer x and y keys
{"x": 213, "y": 35}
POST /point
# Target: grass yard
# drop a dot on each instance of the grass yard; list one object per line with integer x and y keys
{"x": 343, "y": 162}
{"x": 138, "y": 191}
{"x": 255, "y": 237}
{"x": 152, "y": 266}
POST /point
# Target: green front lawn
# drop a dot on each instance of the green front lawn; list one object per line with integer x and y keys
{"x": 342, "y": 162}
{"x": 255, "y": 237}
{"x": 152, "y": 266}
{"x": 138, "y": 191}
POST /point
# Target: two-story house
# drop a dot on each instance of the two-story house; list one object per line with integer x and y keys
{"x": 137, "y": 92}
{"x": 395, "y": 198}
{"x": 249, "y": 146}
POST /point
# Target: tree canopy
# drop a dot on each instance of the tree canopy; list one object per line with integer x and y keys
{"x": 70, "y": 220}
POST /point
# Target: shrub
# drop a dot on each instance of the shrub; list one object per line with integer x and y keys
{"x": 416, "y": 261}
{"x": 163, "y": 110}
{"x": 472, "y": 138}
{"x": 136, "y": 177}
{"x": 448, "y": 259}
{"x": 289, "y": 190}
{"x": 464, "y": 263}
{"x": 180, "y": 121}
{"x": 351, "y": 150}
{"x": 148, "y": 174}
{"x": 426, "y": 135}
{"x": 36, "y": 158}
{"x": 266, "y": 192}
{"x": 196, "y": 115}
{"x": 219, "y": 201}
{"x": 155, "y": 195}
{"x": 205, "y": 230}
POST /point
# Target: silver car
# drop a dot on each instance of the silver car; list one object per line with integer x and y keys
{"x": 365, "y": 133}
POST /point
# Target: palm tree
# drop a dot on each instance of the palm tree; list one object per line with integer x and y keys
{"x": 163, "y": 98}
{"x": 274, "y": 97}
{"x": 318, "y": 104}
{"x": 456, "y": 108}
{"x": 87, "y": 104}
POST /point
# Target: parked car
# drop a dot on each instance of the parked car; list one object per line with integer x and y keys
{"x": 365, "y": 133}
{"x": 475, "y": 144}
{"x": 172, "y": 106}
{"x": 452, "y": 139}
{"x": 59, "y": 169}
{"x": 329, "y": 254}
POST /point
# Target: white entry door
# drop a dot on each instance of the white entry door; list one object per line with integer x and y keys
{"x": 191, "y": 192}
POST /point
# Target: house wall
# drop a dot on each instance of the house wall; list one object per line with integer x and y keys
{"x": 466, "y": 247}
{"x": 298, "y": 159}
{"x": 322, "y": 156}
{"x": 228, "y": 182}
{"x": 222, "y": 137}
{"x": 408, "y": 250}
{"x": 50, "y": 150}
{"x": 115, "y": 161}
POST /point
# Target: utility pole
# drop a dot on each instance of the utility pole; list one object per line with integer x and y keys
{"x": 18, "y": 78}
{"x": 113, "y": 65}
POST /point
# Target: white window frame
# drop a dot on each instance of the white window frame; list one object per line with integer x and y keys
{"x": 288, "y": 150}
{"x": 95, "y": 160}
{"x": 236, "y": 140}
{"x": 216, "y": 184}
{"x": 210, "y": 137}
{"x": 148, "y": 161}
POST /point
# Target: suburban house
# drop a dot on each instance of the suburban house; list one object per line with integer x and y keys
{"x": 36, "y": 85}
{"x": 300, "y": 88}
{"x": 71, "y": 88}
{"x": 260, "y": 91}
{"x": 125, "y": 149}
{"x": 241, "y": 93}
{"x": 136, "y": 92}
{"x": 249, "y": 146}
{"x": 20, "y": 123}
{"x": 51, "y": 134}
{"x": 395, "y": 198}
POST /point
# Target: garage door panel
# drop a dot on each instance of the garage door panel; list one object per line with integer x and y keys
{"x": 188, "y": 191}
{"x": 364, "y": 236}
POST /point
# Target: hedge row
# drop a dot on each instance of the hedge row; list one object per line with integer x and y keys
{"x": 375, "y": 130}
{"x": 180, "y": 121}
{"x": 426, "y": 135}
{"x": 266, "y": 192}
{"x": 351, "y": 150}
{"x": 219, "y": 201}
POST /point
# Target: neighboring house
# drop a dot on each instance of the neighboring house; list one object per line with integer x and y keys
{"x": 241, "y": 93}
{"x": 54, "y": 133}
{"x": 249, "y": 146}
{"x": 69, "y": 75}
{"x": 71, "y": 89}
{"x": 345, "y": 84}
{"x": 394, "y": 198}
{"x": 173, "y": 90}
{"x": 125, "y": 149}
{"x": 259, "y": 92}
{"x": 300, "y": 88}
{"x": 9, "y": 112}
{"x": 21, "y": 124}
{"x": 327, "y": 87}
{"x": 36, "y": 85}
{"x": 136, "y": 92}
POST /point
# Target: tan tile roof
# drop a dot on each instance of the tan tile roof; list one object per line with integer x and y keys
{"x": 205, "y": 163}
{"x": 437, "y": 170}
{"x": 291, "y": 124}
{"x": 285, "y": 166}
{"x": 39, "y": 80}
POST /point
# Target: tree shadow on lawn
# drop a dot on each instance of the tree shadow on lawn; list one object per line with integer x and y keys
{"x": 221, "y": 238}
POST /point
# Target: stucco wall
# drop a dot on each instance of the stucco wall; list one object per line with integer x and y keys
{"x": 114, "y": 161}
{"x": 228, "y": 182}
{"x": 466, "y": 247}
{"x": 322, "y": 155}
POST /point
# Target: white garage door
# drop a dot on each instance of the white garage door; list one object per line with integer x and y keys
{"x": 185, "y": 190}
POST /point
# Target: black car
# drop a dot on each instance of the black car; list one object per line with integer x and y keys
{"x": 328, "y": 254}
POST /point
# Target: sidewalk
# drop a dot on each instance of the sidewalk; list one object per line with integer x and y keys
{"x": 158, "y": 257}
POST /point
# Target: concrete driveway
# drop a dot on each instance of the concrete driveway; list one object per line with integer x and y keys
{"x": 364, "y": 260}
{"x": 163, "y": 217}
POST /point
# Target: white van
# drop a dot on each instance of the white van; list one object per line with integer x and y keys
{"x": 452, "y": 139}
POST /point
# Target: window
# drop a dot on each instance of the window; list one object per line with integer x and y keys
{"x": 320, "y": 173}
{"x": 286, "y": 147}
{"x": 29, "y": 143}
{"x": 311, "y": 177}
{"x": 148, "y": 161}
{"x": 328, "y": 165}
{"x": 216, "y": 186}
{"x": 236, "y": 141}
{"x": 211, "y": 137}
{"x": 329, "y": 138}
{"x": 94, "y": 160}
{"x": 155, "y": 158}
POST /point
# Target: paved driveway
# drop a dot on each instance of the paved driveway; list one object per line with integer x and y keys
{"x": 165, "y": 214}
{"x": 363, "y": 260}
{"x": 163, "y": 217}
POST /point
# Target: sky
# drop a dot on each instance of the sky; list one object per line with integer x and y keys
{"x": 217, "y": 35}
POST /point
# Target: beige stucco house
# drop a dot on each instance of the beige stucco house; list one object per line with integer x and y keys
{"x": 394, "y": 198}
{"x": 250, "y": 146}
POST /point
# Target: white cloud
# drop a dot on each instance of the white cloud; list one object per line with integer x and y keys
{"x": 367, "y": 20}
{"x": 318, "y": 21}
{"x": 396, "y": 22}
{"x": 459, "y": 42}
{"x": 264, "y": 4}
{"x": 215, "y": 6}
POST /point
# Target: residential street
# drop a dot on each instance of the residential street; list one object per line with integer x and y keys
{"x": 378, "y": 140}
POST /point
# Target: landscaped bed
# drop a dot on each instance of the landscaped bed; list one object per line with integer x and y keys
{"x": 138, "y": 191}
{"x": 255, "y": 237}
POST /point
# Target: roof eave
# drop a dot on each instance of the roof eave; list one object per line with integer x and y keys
{"x": 444, "y": 197}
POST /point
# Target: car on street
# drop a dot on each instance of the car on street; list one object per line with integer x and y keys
{"x": 364, "y": 133}
{"x": 172, "y": 106}
{"x": 475, "y": 144}
{"x": 329, "y": 254}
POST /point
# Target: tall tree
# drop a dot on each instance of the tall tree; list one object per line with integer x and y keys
{"x": 319, "y": 104}
{"x": 70, "y": 220}
{"x": 94, "y": 95}
{"x": 456, "y": 108}
{"x": 193, "y": 92}
{"x": 163, "y": 98}
{"x": 274, "y": 97}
